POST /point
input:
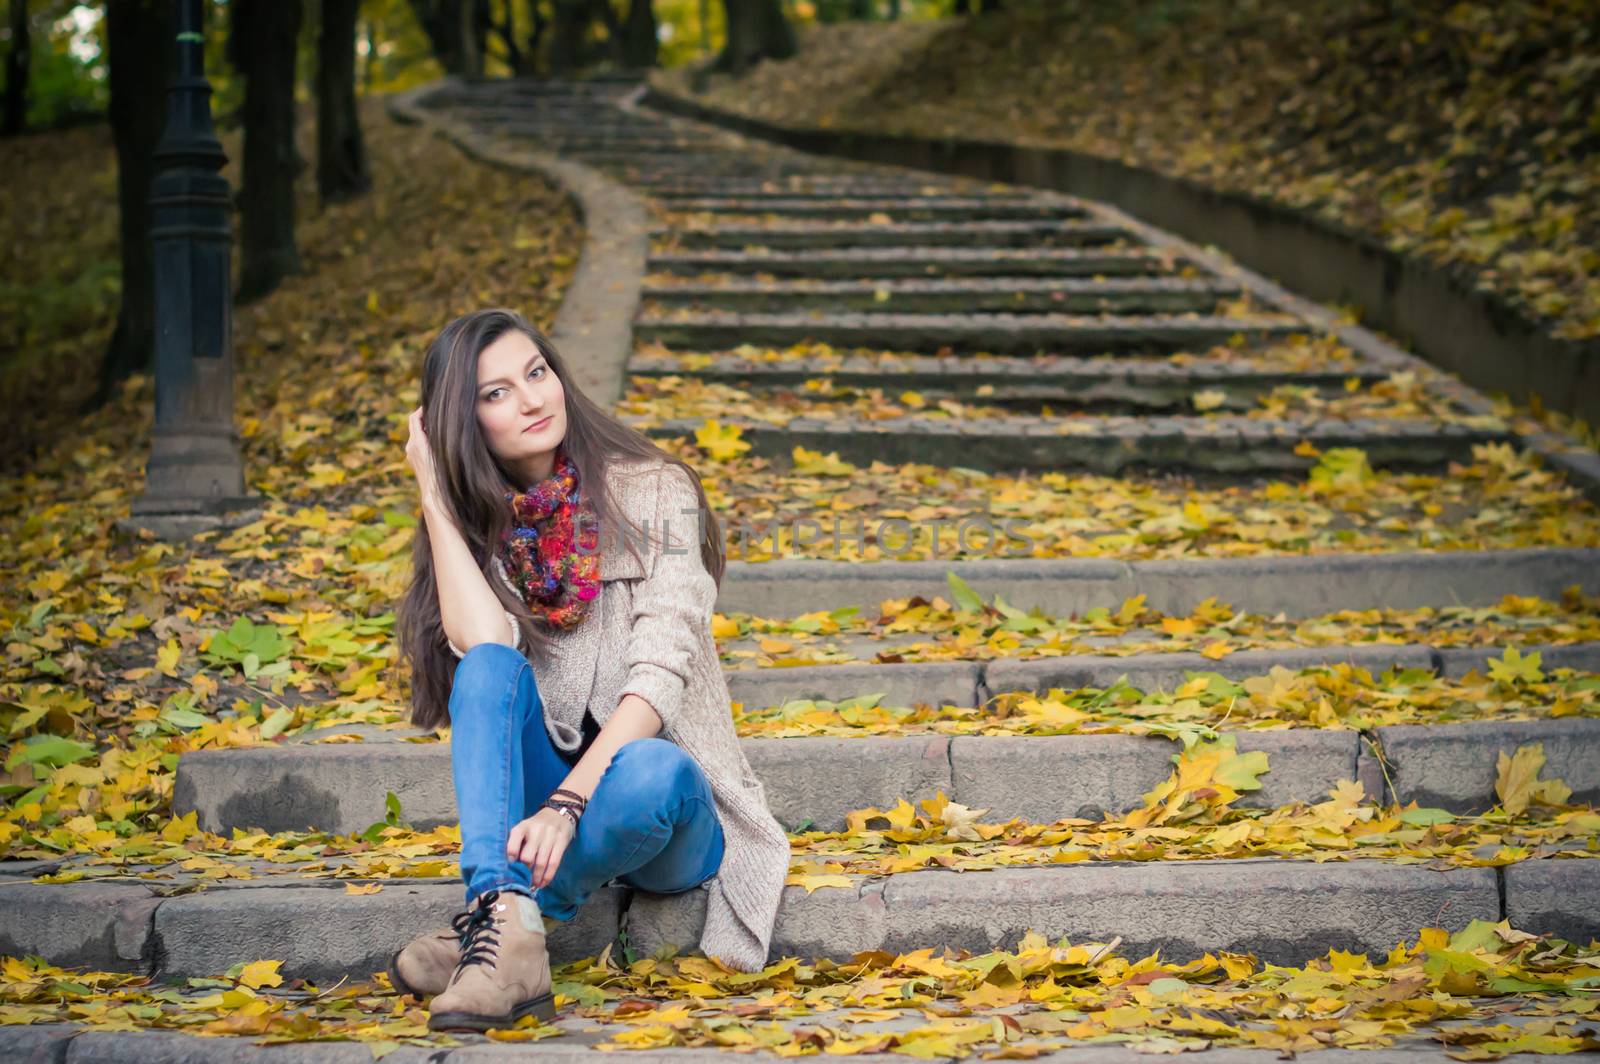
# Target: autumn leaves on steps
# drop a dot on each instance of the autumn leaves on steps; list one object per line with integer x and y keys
{"x": 805, "y": 323}
{"x": 1121, "y": 356}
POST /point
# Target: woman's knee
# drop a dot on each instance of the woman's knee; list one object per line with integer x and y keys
{"x": 648, "y": 771}
{"x": 486, "y": 675}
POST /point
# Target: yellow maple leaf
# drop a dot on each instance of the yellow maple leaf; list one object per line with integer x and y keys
{"x": 258, "y": 974}
{"x": 362, "y": 888}
{"x": 722, "y": 442}
{"x": 817, "y": 464}
{"x": 1517, "y": 783}
{"x": 167, "y": 658}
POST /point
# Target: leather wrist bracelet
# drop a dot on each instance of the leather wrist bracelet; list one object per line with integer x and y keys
{"x": 581, "y": 801}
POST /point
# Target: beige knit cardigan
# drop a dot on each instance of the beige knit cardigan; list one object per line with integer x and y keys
{"x": 649, "y": 633}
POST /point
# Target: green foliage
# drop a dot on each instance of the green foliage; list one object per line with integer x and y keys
{"x": 67, "y": 80}
{"x": 248, "y": 645}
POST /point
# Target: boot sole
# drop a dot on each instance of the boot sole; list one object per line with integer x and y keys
{"x": 543, "y": 1006}
{"x": 401, "y": 987}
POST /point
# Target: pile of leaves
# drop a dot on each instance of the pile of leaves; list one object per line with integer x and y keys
{"x": 1339, "y": 696}
{"x": 1297, "y": 353}
{"x": 1502, "y": 498}
{"x": 1462, "y": 132}
{"x": 1192, "y": 816}
{"x": 653, "y": 400}
{"x": 968, "y": 628}
{"x": 1484, "y": 992}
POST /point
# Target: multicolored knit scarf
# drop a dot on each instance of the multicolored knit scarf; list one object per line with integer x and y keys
{"x": 540, "y": 552}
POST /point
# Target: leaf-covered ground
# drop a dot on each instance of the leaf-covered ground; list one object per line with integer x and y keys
{"x": 93, "y": 621}
{"x": 1462, "y": 132}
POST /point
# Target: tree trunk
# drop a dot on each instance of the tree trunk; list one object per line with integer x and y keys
{"x": 615, "y": 45}
{"x": 262, "y": 45}
{"x": 537, "y": 25}
{"x": 17, "y": 62}
{"x": 139, "y": 52}
{"x": 471, "y": 42}
{"x": 342, "y": 171}
{"x": 507, "y": 32}
{"x": 639, "y": 36}
{"x": 569, "y": 46}
{"x": 443, "y": 22}
{"x": 757, "y": 30}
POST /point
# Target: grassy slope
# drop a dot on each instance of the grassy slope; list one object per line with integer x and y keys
{"x": 1466, "y": 132}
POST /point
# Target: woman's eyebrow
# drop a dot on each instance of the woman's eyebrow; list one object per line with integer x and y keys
{"x": 502, "y": 380}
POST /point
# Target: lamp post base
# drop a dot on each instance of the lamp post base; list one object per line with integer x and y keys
{"x": 172, "y": 519}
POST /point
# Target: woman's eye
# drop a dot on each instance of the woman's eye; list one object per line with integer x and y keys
{"x": 536, "y": 369}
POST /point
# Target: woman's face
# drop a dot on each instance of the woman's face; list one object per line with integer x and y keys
{"x": 522, "y": 407}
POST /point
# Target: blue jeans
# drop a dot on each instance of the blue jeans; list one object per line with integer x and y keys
{"x": 650, "y": 823}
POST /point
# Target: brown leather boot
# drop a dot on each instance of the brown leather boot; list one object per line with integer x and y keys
{"x": 504, "y": 972}
{"x": 423, "y": 966}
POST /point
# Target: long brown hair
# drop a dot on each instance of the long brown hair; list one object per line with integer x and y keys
{"x": 473, "y": 484}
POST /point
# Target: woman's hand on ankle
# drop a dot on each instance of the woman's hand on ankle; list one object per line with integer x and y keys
{"x": 539, "y": 843}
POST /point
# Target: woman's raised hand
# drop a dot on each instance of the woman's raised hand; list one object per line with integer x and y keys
{"x": 419, "y": 456}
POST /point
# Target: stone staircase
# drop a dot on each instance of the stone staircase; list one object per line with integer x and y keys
{"x": 1074, "y": 340}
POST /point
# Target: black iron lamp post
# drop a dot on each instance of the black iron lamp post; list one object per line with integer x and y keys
{"x": 195, "y": 477}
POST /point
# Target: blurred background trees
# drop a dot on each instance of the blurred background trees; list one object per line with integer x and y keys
{"x": 273, "y": 63}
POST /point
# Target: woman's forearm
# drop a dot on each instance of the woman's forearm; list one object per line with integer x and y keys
{"x": 468, "y": 608}
{"x": 633, "y": 719}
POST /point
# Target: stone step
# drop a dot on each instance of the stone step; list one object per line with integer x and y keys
{"x": 1283, "y": 911}
{"x": 559, "y": 127}
{"x": 1228, "y": 444}
{"x": 1026, "y": 383}
{"x": 815, "y": 781}
{"x": 318, "y": 930}
{"x": 577, "y": 145}
{"x": 820, "y": 185}
{"x": 920, "y": 262}
{"x": 970, "y": 295}
{"x": 949, "y": 208}
{"x": 1000, "y": 333}
{"x": 1297, "y": 585}
{"x": 1054, "y": 233}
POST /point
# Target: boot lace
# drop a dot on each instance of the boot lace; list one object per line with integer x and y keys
{"x": 480, "y": 943}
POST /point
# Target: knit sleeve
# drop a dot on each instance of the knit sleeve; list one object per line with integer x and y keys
{"x": 672, "y": 605}
{"x": 516, "y": 636}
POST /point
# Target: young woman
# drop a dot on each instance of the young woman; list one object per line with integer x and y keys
{"x": 559, "y": 618}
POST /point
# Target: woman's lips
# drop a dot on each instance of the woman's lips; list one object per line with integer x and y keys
{"x": 537, "y": 425}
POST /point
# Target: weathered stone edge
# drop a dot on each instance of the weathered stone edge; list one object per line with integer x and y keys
{"x": 79, "y": 1044}
{"x": 1453, "y": 766}
{"x": 593, "y": 329}
{"x": 1558, "y": 891}
{"x": 1269, "y": 584}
